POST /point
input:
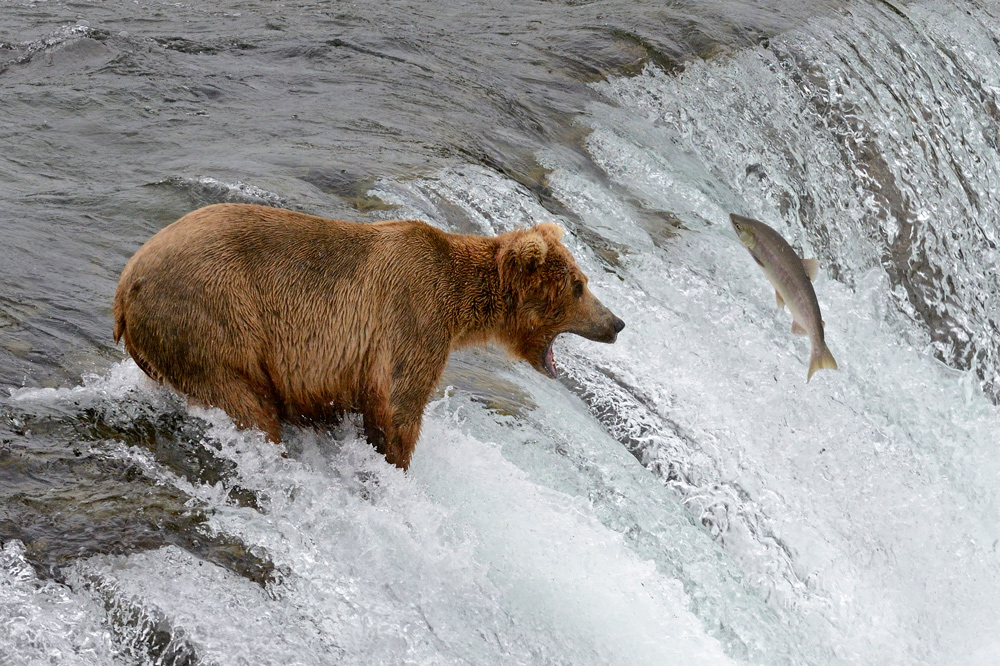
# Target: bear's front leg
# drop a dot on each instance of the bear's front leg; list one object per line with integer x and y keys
{"x": 399, "y": 449}
{"x": 395, "y": 439}
{"x": 393, "y": 426}
{"x": 409, "y": 398}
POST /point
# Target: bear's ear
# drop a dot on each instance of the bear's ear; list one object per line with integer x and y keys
{"x": 529, "y": 249}
{"x": 553, "y": 233}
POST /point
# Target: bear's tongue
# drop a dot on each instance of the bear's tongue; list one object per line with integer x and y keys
{"x": 549, "y": 361}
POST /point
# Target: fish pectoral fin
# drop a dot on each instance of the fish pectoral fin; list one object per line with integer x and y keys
{"x": 797, "y": 328}
{"x": 779, "y": 299}
{"x": 812, "y": 268}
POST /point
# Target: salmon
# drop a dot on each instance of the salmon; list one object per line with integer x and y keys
{"x": 791, "y": 278}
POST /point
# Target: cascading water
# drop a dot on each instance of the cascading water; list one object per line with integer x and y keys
{"x": 680, "y": 497}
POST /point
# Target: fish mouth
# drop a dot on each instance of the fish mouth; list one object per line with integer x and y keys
{"x": 744, "y": 234}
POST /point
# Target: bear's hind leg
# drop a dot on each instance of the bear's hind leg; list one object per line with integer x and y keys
{"x": 246, "y": 406}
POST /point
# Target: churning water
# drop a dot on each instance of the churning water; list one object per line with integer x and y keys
{"x": 680, "y": 497}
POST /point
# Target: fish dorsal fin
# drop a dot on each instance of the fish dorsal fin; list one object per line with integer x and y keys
{"x": 812, "y": 267}
{"x": 797, "y": 328}
{"x": 779, "y": 299}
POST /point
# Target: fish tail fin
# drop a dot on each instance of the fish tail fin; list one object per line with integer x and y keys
{"x": 821, "y": 359}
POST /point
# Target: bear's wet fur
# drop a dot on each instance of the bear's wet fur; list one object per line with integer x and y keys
{"x": 274, "y": 315}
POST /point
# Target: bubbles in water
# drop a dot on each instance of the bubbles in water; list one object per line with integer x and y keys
{"x": 43, "y": 621}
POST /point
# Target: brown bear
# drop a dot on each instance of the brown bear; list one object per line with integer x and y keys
{"x": 273, "y": 315}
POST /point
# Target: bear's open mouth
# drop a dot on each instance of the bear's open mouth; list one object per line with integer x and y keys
{"x": 549, "y": 360}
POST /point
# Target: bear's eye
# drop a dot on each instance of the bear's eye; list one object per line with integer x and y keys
{"x": 578, "y": 289}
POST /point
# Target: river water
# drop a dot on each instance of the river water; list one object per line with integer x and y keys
{"x": 680, "y": 497}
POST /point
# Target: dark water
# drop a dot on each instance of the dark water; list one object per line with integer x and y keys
{"x": 852, "y": 522}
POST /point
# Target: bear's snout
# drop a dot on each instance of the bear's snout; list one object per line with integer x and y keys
{"x": 618, "y": 326}
{"x": 602, "y": 325}
{"x": 611, "y": 334}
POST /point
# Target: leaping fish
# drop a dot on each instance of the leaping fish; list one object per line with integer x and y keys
{"x": 792, "y": 280}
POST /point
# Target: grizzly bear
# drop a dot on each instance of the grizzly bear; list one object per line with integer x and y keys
{"x": 276, "y": 316}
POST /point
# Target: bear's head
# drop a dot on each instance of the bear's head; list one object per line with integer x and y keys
{"x": 546, "y": 294}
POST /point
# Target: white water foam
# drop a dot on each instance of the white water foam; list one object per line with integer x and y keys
{"x": 45, "y": 623}
{"x": 464, "y": 559}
